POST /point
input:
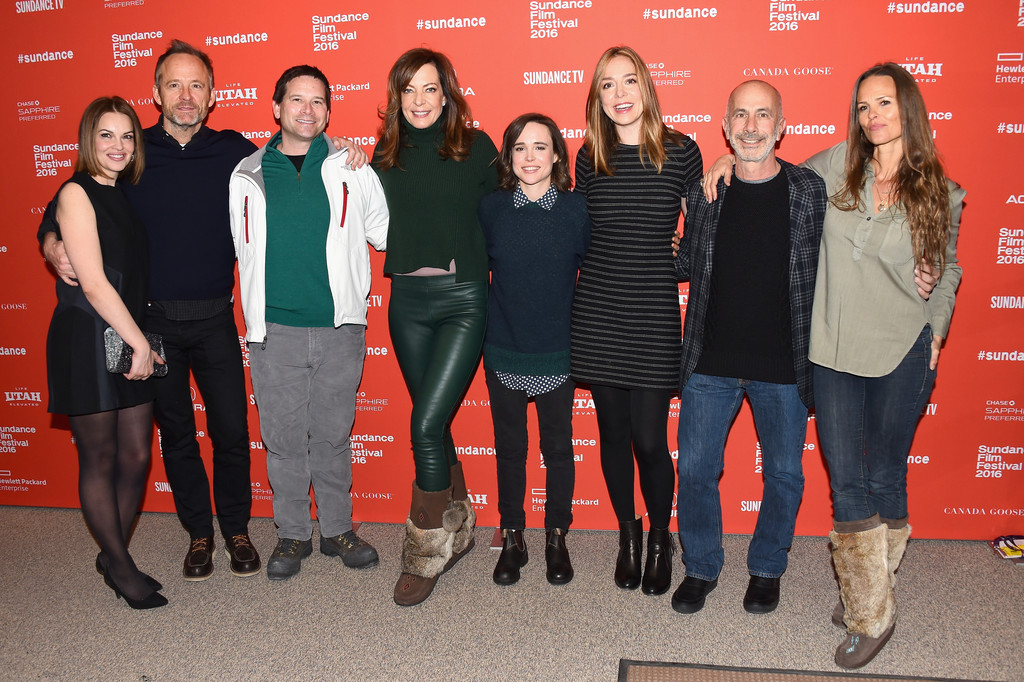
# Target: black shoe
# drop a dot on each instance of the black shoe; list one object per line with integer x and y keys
{"x": 762, "y": 595}
{"x": 691, "y": 593}
{"x": 286, "y": 559}
{"x": 513, "y": 557}
{"x": 658, "y": 569}
{"x": 151, "y": 601}
{"x": 199, "y": 560}
{"x": 556, "y": 554}
{"x": 245, "y": 560}
{"x": 627, "y": 565}
{"x": 353, "y": 550}
{"x": 150, "y": 580}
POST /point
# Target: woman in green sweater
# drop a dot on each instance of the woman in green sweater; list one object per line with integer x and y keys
{"x": 434, "y": 169}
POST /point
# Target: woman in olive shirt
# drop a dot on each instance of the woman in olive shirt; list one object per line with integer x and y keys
{"x": 434, "y": 169}
{"x": 875, "y": 342}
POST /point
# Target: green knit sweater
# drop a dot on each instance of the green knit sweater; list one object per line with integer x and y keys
{"x": 433, "y": 204}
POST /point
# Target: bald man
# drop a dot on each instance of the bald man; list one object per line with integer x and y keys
{"x": 750, "y": 257}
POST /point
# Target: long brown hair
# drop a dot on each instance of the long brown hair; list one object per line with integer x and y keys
{"x": 920, "y": 182}
{"x": 601, "y": 135}
{"x": 458, "y": 137}
{"x": 559, "y": 173}
{"x": 88, "y": 161}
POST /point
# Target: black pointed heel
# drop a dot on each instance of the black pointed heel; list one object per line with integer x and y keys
{"x": 151, "y": 601}
{"x": 150, "y": 580}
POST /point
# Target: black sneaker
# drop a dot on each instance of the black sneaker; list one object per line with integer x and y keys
{"x": 354, "y": 552}
{"x": 286, "y": 559}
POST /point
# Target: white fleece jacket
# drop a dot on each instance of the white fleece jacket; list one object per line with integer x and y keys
{"x": 359, "y": 214}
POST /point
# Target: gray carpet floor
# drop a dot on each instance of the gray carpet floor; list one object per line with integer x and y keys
{"x": 959, "y": 614}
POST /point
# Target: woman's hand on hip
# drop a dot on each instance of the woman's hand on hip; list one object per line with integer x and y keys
{"x": 936, "y": 346}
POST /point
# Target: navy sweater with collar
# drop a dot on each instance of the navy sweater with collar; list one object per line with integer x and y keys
{"x": 534, "y": 257}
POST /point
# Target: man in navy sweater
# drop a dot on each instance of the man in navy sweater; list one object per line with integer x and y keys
{"x": 183, "y": 201}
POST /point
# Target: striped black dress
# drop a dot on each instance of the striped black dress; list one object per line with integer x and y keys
{"x": 625, "y": 317}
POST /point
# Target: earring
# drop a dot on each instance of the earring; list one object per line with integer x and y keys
{"x": 133, "y": 158}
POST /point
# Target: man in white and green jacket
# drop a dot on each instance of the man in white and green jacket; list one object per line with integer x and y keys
{"x": 301, "y": 220}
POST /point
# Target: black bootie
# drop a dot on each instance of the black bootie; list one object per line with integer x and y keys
{"x": 627, "y": 566}
{"x": 658, "y": 569}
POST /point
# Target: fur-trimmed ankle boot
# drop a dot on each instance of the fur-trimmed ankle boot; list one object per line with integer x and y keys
{"x": 862, "y": 564}
{"x": 429, "y": 535}
{"x": 897, "y": 544}
{"x": 464, "y": 540}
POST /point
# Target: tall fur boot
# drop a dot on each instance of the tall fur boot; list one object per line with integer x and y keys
{"x": 461, "y": 505}
{"x": 897, "y": 542}
{"x": 862, "y": 564}
{"x": 897, "y": 539}
{"x": 429, "y": 535}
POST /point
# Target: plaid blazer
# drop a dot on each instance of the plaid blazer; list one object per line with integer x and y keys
{"x": 807, "y": 203}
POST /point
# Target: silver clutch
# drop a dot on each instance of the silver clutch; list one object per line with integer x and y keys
{"x": 119, "y": 353}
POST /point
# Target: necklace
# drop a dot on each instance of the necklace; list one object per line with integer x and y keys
{"x": 884, "y": 191}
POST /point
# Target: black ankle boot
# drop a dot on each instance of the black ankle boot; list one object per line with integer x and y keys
{"x": 556, "y": 554}
{"x": 658, "y": 569}
{"x": 513, "y": 557}
{"x": 627, "y": 566}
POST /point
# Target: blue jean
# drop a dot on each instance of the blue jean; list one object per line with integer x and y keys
{"x": 866, "y": 426}
{"x": 708, "y": 406}
{"x": 305, "y": 380}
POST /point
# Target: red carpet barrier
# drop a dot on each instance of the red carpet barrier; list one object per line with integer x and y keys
{"x": 517, "y": 56}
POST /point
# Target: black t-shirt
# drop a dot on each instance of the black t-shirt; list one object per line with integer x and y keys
{"x": 748, "y": 328}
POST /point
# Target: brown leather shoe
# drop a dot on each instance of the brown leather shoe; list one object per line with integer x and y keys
{"x": 199, "y": 560}
{"x": 245, "y": 560}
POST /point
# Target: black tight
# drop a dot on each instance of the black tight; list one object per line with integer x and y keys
{"x": 113, "y": 458}
{"x": 634, "y": 422}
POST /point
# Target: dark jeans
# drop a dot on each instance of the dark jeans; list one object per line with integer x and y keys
{"x": 708, "y": 406}
{"x": 866, "y": 426}
{"x": 554, "y": 419}
{"x": 211, "y": 349}
{"x": 437, "y": 330}
{"x": 634, "y": 423}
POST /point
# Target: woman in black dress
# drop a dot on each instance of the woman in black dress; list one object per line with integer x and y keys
{"x": 626, "y": 327}
{"x": 111, "y": 415}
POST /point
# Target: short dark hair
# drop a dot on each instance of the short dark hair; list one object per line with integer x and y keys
{"x": 559, "y": 174}
{"x": 181, "y": 47}
{"x": 298, "y": 72}
{"x": 90, "y": 123}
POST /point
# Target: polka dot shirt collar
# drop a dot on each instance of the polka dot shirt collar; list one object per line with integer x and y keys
{"x": 519, "y": 198}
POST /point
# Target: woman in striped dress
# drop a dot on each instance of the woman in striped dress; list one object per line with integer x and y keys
{"x": 626, "y": 324}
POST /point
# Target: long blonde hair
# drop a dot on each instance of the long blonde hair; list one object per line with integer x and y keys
{"x": 601, "y": 135}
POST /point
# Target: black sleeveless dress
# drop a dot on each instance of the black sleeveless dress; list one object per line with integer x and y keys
{"x": 76, "y": 373}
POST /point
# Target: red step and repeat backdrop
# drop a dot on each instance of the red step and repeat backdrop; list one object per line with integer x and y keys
{"x": 525, "y": 55}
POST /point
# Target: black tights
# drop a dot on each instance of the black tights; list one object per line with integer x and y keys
{"x": 113, "y": 459}
{"x": 634, "y": 422}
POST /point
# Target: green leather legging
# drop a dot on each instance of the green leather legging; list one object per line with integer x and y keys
{"x": 437, "y": 330}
